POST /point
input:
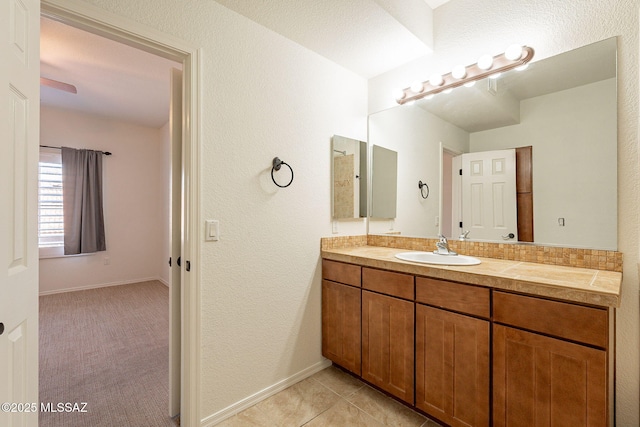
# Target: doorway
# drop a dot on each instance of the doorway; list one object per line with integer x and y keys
{"x": 109, "y": 26}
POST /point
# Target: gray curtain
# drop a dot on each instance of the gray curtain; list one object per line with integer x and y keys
{"x": 82, "y": 201}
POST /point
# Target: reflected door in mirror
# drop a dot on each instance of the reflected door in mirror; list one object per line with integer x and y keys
{"x": 489, "y": 195}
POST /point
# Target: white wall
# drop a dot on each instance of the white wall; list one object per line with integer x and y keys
{"x": 463, "y": 29}
{"x": 574, "y": 172}
{"x": 133, "y": 201}
{"x": 416, "y": 135}
{"x": 262, "y": 96}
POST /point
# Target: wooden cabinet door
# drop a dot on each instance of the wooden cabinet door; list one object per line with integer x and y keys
{"x": 452, "y": 367}
{"x": 542, "y": 381}
{"x": 341, "y": 325}
{"x": 387, "y": 344}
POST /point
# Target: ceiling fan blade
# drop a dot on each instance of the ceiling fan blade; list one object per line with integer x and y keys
{"x": 58, "y": 85}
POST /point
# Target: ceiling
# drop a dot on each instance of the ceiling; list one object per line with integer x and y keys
{"x": 117, "y": 81}
{"x": 112, "y": 79}
{"x": 368, "y": 37}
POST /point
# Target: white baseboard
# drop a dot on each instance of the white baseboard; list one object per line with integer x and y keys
{"x": 102, "y": 285}
{"x": 247, "y": 402}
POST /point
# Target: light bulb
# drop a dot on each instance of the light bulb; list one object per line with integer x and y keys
{"x": 485, "y": 62}
{"x": 435, "y": 80}
{"x": 470, "y": 84}
{"x": 399, "y": 94}
{"x": 513, "y": 52}
{"x": 459, "y": 72}
{"x": 417, "y": 87}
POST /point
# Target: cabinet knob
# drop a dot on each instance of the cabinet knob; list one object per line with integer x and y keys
{"x": 1, "y": 328}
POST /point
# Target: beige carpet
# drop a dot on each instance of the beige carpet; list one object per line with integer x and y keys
{"x": 108, "y": 348}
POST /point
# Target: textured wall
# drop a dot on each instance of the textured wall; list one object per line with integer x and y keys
{"x": 262, "y": 96}
{"x": 133, "y": 201}
{"x": 463, "y": 29}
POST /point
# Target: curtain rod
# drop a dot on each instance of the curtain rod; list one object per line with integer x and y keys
{"x": 106, "y": 153}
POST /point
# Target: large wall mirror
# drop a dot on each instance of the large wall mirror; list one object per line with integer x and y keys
{"x": 551, "y": 128}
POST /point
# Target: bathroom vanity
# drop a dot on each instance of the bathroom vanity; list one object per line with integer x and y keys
{"x": 502, "y": 343}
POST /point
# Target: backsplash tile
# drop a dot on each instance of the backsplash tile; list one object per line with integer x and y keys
{"x": 551, "y": 255}
{"x": 342, "y": 242}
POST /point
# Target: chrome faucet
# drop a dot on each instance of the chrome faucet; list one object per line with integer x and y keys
{"x": 464, "y": 235}
{"x": 443, "y": 247}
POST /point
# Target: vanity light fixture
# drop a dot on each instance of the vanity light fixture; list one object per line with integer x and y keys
{"x": 514, "y": 52}
{"x": 515, "y": 57}
{"x": 485, "y": 62}
{"x": 459, "y": 72}
{"x": 417, "y": 87}
{"x": 436, "y": 80}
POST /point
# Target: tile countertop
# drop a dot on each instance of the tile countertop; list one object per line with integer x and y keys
{"x": 583, "y": 285}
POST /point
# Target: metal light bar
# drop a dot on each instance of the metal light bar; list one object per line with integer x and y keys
{"x": 473, "y": 73}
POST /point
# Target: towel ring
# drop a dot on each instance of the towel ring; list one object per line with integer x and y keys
{"x": 277, "y": 164}
{"x": 421, "y": 186}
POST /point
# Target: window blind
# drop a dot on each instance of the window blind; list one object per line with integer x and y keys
{"x": 50, "y": 213}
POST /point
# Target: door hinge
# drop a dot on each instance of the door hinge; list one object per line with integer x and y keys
{"x": 188, "y": 265}
{"x": 169, "y": 261}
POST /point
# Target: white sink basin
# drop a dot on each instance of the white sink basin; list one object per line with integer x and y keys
{"x": 431, "y": 258}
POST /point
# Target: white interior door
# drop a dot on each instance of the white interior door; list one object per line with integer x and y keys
{"x": 19, "y": 133}
{"x": 489, "y": 209}
{"x": 175, "y": 129}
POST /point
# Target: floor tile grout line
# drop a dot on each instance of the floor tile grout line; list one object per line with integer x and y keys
{"x": 328, "y": 409}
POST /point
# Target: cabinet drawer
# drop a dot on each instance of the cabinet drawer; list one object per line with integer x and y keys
{"x": 564, "y": 320}
{"x": 342, "y": 273}
{"x": 454, "y": 296}
{"x": 386, "y": 282}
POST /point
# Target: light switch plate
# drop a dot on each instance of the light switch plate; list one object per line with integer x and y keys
{"x": 212, "y": 230}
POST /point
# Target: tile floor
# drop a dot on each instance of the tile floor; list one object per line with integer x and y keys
{"x": 329, "y": 398}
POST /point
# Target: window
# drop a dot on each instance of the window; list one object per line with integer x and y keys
{"x": 50, "y": 213}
